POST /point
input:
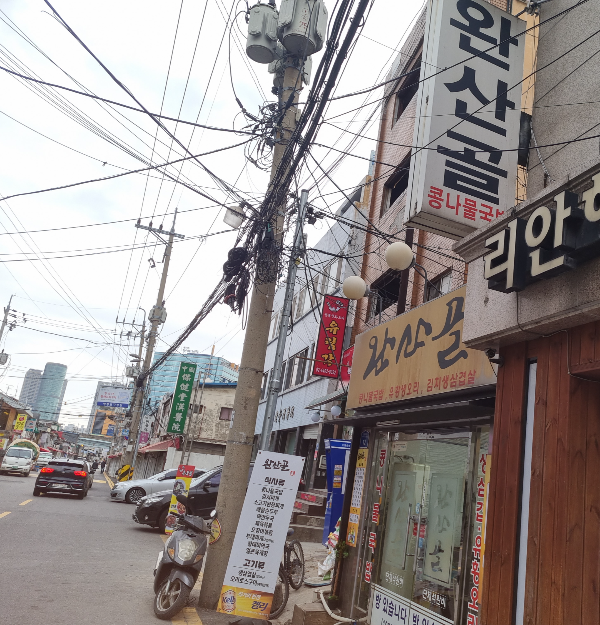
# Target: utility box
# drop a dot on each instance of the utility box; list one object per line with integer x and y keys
{"x": 302, "y": 26}
{"x": 262, "y": 33}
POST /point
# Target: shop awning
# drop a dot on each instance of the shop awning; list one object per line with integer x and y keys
{"x": 162, "y": 446}
{"x": 115, "y": 455}
{"x": 319, "y": 401}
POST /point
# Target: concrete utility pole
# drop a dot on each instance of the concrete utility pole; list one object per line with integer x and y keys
{"x": 5, "y": 320}
{"x": 276, "y": 381}
{"x": 156, "y": 317}
{"x": 238, "y": 452}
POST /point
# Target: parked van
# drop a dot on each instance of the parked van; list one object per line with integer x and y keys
{"x": 17, "y": 460}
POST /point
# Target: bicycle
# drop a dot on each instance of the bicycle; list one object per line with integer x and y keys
{"x": 291, "y": 573}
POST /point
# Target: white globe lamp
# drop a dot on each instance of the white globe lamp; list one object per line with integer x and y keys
{"x": 315, "y": 417}
{"x": 234, "y": 216}
{"x": 399, "y": 256}
{"x": 354, "y": 287}
{"x": 336, "y": 411}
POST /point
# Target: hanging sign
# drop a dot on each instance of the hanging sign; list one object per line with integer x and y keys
{"x": 328, "y": 352}
{"x": 417, "y": 354}
{"x": 183, "y": 479}
{"x": 260, "y": 537}
{"x": 20, "y": 421}
{"x": 357, "y": 490}
{"x": 467, "y": 117}
{"x": 181, "y": 397}
{"x": 347, "y": 365}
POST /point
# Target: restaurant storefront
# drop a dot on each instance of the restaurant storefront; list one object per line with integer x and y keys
{"x": 422, "y": 408}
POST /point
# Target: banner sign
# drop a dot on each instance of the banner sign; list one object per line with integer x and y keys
{"x": 181, "y": 397}
{"x": 183, "y": 479}
{"x": 357, "y": 490}
{"x": 30, "y": 425}
{"x": 387, "y": 608}
{"x": 114, "y": 397}
{"x": 110, "y": 430}
{"x": 347, "y": 357}
{"x": 417, "y": 354}
{"x": 20, "y": 421}
{"x": 328, "y": 352}
{"x": 260, "y": 537}
{"x": 468, "y": 118}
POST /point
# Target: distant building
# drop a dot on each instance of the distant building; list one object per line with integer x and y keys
{"x": 62, "y": 395}
{"x": 94, "y": 409}
{"x": 164, "y": 378}
{"x": 31, "y": 385}
{"x": 46, "y": 405}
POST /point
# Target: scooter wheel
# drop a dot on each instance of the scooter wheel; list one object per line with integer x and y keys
{"x": 167, "y": 603}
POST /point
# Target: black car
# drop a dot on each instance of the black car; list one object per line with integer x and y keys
{"x": 202, "y": 499}
{"x": 72, "y": 477}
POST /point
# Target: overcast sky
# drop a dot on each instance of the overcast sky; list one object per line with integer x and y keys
{"x": 72, "y": 304}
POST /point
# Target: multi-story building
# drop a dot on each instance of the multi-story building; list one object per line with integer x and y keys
{"x": 46, "y": 405}
{"x": 164, "y": 378}
{"x": 31, "y": 385}
{"x": 61, "y": 399}
{"x": 94, "y": 408}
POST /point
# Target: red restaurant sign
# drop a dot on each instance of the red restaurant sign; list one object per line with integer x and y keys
{"x": 328, "y": 353}
{"x": 347, "y": 364}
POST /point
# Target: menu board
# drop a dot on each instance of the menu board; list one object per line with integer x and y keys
{"x": 260, "y": 537}
{"x": 357, "y": 490}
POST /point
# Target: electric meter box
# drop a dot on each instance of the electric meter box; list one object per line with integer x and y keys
{"x": 262, "y": 33}
{"x": 302, "y": 26}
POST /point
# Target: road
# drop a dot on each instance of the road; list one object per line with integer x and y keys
{"x": 73, "y": 562}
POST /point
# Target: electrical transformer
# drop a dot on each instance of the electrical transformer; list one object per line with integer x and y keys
{"x": 302, "y": 26}
{"x": 262, "y": 33}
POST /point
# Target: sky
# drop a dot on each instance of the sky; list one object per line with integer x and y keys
{"x": 77, "y": 267}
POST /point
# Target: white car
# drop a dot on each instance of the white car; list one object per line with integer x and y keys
{"x": 133, "y": 490}
{"x": 44, "y": 458}
{"x": 17, "y": 460}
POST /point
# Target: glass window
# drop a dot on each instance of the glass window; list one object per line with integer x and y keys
{"x": 18, "y": 452}
{"x": 439, "y": 286}
{"x": 225, "y": 414}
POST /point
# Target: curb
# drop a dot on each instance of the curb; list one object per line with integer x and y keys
{"x": 110, "y": 482}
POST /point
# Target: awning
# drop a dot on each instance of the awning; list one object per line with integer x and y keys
{"x": 115, "y": 455}
{"x": 162, "y": 446}
{"x": 319, "y": 401}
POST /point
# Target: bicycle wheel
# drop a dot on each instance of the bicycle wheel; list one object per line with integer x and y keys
{"x": 281, "y": 594}
{"x": 294, "y": 556}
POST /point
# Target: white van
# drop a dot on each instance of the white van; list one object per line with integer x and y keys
{"x": 17, "y": 460}
{"x": 44, "y": 458}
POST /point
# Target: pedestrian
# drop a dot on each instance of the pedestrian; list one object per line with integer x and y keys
{"x": 94, "y": 465}
{"x": 102, "y": 465}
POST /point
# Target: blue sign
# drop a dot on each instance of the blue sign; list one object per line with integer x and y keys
{"x": 338, "y": 454}
{"x": 110, "y": 430}
{"x": 125, "y": 433}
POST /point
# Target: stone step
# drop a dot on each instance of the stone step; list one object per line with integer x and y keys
{"x": 307, "y": 533}
{"x": 316, "y": 498}
{"x": 306, "y": 507}
{"x": 310, "y": 521}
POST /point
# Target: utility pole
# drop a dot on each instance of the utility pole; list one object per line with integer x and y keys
{"x": 3, "y": 356}
{"x": 238, "y": 452}
{"x": 276, "y": 381}
{"x": 157, "y": 315}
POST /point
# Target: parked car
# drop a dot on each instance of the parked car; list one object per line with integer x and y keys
{"x": 44, "y": 458}
{"x": 63, "y": 475}
{"x": 133, "y": 490}
{"x": 17, "y": 460}
{"x": 202, "y": 498}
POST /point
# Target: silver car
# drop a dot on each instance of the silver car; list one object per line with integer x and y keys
{"x": 133, "y": 490}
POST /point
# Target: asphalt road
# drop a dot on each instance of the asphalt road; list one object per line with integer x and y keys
{"x": 73, "y": 562}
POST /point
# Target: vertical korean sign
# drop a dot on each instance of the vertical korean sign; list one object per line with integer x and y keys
{"x": 20, "y": 422}
{"x": 357, "y": 490}
{"x": 467, "y": 117}
{"x": 257, "y": 549}
{"x": 185, "y": 473}
{"x": 328, "y": 352}
{"x": 181, "y": 397}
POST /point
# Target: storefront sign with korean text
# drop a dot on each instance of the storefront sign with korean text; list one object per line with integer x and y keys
{"x": 357, "y": 490}
{"x": 260, "y": 537}
{"x": 183, "y": 479}
{"x": 417, "y": 354}
{"x": 20, "y": 421}
{"x": 549, "y": 242}
{"x": 388, "y": 608}
{"x": 181, "y": 398}
{"x": 347, "y": 365}
{"x": 328, "y": 352}
{"x": 114, "y": 397}
{"x": 468, "y": 117}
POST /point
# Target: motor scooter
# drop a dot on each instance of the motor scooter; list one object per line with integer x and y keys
{"x": 180, "y": 562}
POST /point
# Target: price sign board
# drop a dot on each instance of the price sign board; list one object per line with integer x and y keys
{"x": 258, "y": 545}
{"x": 181, "y": 397}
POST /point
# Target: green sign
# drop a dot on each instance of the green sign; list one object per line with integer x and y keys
{"x": 181, "y": 397}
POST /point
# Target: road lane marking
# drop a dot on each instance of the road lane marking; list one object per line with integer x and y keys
{"x": 26, "y": 502}
{"x": 110, "y": 482}
{"x": 164, "y": 538}
{"x": 99, "y": 481}
{"x": 3, "y": 514}
{"x": 187, "y": 616}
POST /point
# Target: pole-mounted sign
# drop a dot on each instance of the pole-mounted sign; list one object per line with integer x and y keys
{"x": 181, "y": 397}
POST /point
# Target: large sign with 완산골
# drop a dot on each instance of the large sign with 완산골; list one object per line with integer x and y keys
{"x": 328, "y": 351}
{"x": 464, "y": 161}
{"x": 417, "y": 354}
{"x": 257, "y": 549}
{"x": 111, "y": 397}
{"x": 181, "y": 397}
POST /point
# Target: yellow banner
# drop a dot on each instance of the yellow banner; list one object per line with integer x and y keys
{"x": 417, "y": 354}
{"x": 244, "y": 602}
{"x": 20, "y": 421}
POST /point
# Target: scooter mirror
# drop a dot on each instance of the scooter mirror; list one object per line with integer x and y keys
{"x": 213, "y": 514}
{"x": 182, "y": 499}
